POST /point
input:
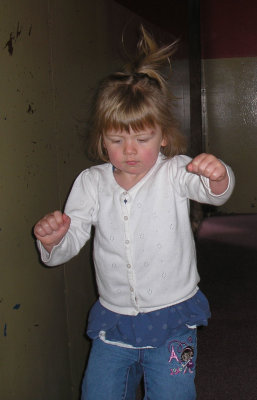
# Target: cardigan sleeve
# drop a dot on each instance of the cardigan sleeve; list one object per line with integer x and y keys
{"x": 196, "y": 187}
{"x": 82, "y": 208}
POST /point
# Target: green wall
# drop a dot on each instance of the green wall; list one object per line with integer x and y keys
{"x": 52, "y": 55}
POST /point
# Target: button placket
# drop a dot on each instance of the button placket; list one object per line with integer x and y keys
{"x": 125, "y": 205}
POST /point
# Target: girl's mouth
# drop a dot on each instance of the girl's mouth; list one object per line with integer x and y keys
{"x": 131, "y": 162}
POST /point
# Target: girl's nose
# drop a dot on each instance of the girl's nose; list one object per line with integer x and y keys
{"x": 129, "y": 147}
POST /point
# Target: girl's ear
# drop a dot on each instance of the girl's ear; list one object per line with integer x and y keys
{"x": 164, "y": 141}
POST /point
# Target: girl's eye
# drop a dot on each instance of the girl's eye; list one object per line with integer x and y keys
{"x": 142, "y": 140}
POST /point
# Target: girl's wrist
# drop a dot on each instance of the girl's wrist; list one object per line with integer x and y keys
{"x": 219, "y": 187}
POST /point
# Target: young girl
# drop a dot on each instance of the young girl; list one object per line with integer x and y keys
{"x": 138, "y": 200}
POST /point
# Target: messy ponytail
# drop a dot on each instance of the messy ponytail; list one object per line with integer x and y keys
{"x": 150, "y": 58}
{"x": 137, "y": 97}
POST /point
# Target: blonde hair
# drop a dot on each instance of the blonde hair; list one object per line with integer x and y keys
{"x": 135, "y": 98}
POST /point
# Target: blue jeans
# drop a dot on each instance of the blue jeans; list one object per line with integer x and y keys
{"x": 113, "y": 373}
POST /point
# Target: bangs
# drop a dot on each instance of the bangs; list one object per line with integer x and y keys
{"x": 125, "y": 123}
{"x": 127, "y": 111}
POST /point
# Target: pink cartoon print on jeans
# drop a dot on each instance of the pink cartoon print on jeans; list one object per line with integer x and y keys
{"x": 181, "y": 355}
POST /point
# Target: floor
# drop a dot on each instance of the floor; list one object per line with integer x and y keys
{"x": 227, "y": 262}
{"x": 227, "y": 348}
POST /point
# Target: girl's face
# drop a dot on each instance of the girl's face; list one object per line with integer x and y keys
{"x": 132, "y": 153}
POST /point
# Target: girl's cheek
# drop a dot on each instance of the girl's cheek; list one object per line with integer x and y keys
{"x": 113, "y": 154}
{"x": 151, "y": 155}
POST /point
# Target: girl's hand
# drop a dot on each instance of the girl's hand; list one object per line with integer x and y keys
{"x": 209, "y": 166}
{"x": 51, "y": 229}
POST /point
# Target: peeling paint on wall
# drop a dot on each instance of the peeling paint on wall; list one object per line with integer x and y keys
{"x": 30, "y": 109}
{"x": 254, "y": 203}
{"x": 18, "y": 31}
{"x": 9, "y": 44}
{"x": 16, "y": 307}
{"x": 14, "y": 37}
